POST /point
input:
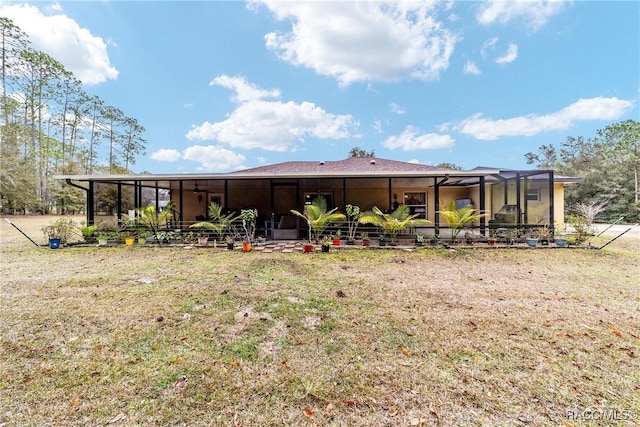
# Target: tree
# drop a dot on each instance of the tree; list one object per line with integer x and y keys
{"x": 608, "y": 165}
{"x": 622, "y": 141}
{"x": 359, "y": 152}
{"x": 447, "y": 165}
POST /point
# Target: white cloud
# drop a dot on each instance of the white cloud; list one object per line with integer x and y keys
{"x": 535, "y": 13}
{"x": 82, "y": 53}
{"x": 509, "y": 56}
{"x": 270, "y": 125}
{"x": 363, "y": 41}
{"x": 471, "y": 68}
{"x": 584, "y": 109}
{"x": 166, "y": 155}
{"x": 213, "y": 158}
{"x": 409, "y": 140}
{"x": 377, "y": 126}
{"x": 244, "y": 91}
{"x": 488, "y": 45}
{"x": 396, "y": 109}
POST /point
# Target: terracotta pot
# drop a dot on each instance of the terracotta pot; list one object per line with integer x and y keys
{"x": 246, "y": 246}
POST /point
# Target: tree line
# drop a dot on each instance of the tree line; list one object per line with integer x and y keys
{"x": 50, "y": 125}
{"x": 608, "y": 163}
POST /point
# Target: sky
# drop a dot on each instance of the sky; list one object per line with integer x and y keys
{"x": 227, "y": 85}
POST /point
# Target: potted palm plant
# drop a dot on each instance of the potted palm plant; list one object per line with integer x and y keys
{"x": 392, "y": 223}
{"x": 218, "y": 222}
{"x": 318, "y": 218}
{"x": 458, "y": 217}
{"x": 152, "y": 221}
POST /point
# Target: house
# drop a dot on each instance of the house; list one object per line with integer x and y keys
{"x": 516, "y": 198}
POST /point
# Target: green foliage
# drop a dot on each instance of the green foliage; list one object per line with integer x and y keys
{"x": 608, "y": 163}
{"x": 359, "y": 152}
{"x": 46, "y": 120}
{"x": 395, "y": 222}
{"x": 62, "y": 228}
{"x": 248, "y": 217}
{"x": 218, "y": 222}
{"x": 151, "y": 220}
{"x": 458, "y": 218}
{"x": 353, "y": 219}
{"x": 318, "y": 218}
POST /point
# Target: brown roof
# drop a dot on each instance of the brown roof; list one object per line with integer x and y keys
{"x": 352, "y": 164}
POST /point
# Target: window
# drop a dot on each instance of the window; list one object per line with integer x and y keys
{"x": 417, "y": 202}
{"x": 533, "y": 194}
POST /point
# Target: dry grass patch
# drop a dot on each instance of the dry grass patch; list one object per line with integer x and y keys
{"x": 169, "y": 336}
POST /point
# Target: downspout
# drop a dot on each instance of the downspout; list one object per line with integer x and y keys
{"x": 89, "y": 199}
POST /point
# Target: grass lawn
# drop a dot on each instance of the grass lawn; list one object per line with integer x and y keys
{"x": 207, "y": 337}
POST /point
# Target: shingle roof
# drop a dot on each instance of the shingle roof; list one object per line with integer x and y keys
{"x": 352, "y": 164}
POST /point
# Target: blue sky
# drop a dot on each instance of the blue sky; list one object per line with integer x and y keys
{"x": 221, "y": 86}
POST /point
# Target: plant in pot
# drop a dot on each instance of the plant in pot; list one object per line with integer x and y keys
{"x": 532, "y": 239}
{"x": 366, "y": 240}
{"x": 544, "y": 233}
{"x": 142, "y": 236}
{"x": 59, "y": 232}
{"x": 335, "y": 240}
{"x": 419, "y": 240}
{"x": 248, "y": 217}
{"x": 353, "y": 219}
{"x": 218, "y": 222}
{"x": 434, "y": 239}
{"x": 230, "y": 242}
{"x": 458, "y": 217}
{"x": 128, "y": 237}
{"x": 88, "y": 232}
{"x": 318, "y": 218}
{"x": 392, "y": 223}
{"x": 203, "y": 238}
{"x": 153, "y": 221}
{"x": 326, "y": 244}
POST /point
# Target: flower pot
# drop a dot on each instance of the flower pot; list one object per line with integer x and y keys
{"x": 532, "y": 243}
{"x": 561, "y": 243}
{"x": 246, "y": 246}
{"x": 336, "y": 242}
{"x": 325, "y": 248}
{"x": 230, "y": 246}
{"x": 308, "y": 248}
{"x": 202, "y": 241}
{"x": 365, "y": 243}
{"x": 492, "y": 242}
{"x": 103, "y": 242}
{"x": 129, "y": 241}
{"x": 142, "y": 240}
{"x": 54, "y": 243}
